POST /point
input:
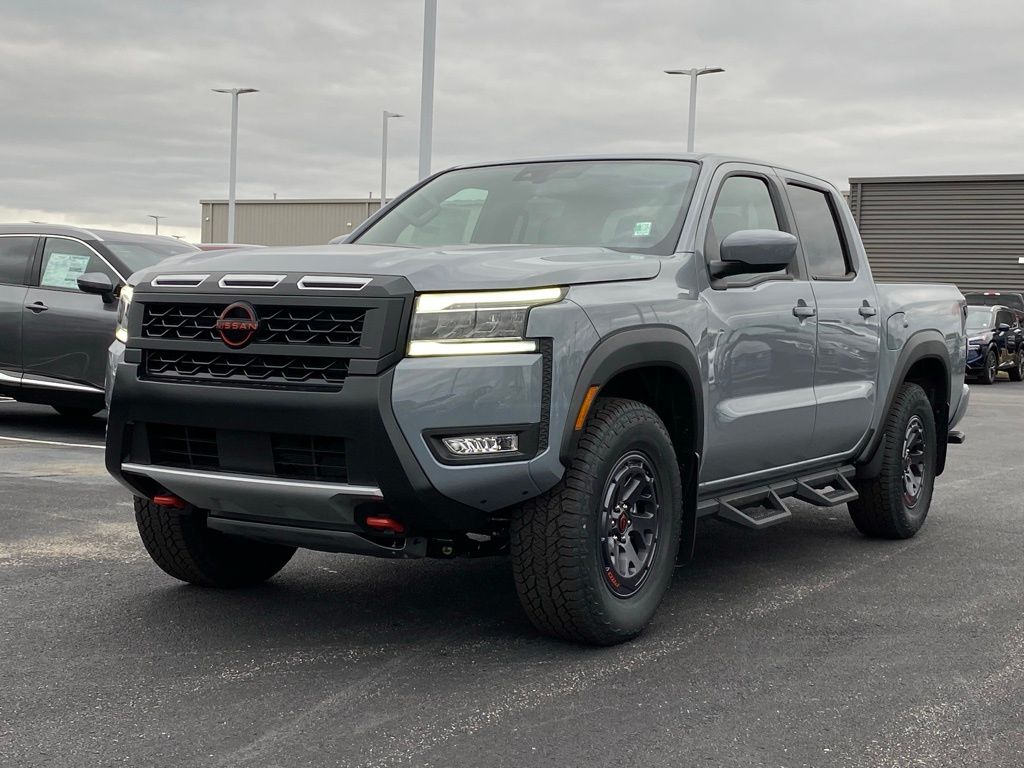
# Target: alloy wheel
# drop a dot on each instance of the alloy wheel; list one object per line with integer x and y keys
{"x": 630, "y": 524}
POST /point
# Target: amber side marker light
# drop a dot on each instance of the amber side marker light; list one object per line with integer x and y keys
{"x": 588, "y": 400}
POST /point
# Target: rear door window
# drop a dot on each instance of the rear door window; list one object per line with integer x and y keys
{"x": 15, "y": 256}
{"x": 820, "y": 235}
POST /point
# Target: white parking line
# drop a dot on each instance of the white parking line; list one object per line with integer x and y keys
{"x": 51, "y": 442}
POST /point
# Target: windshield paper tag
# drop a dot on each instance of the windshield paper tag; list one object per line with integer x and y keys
{"x": 642, "y": 229}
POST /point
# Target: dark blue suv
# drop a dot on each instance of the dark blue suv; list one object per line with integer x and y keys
{"x": 994, "y": 343}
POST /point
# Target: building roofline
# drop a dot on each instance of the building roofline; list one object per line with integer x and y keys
{"x": 285, "y": 200}
{"x": 925, "y": 179}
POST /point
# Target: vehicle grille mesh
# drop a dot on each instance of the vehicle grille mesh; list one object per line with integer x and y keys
{"x": 309, "y": 457}
{"x": 187, "y": 447}
{"x": 245, "y": 369}
{"x": 320, "y": 326}
{"x": 294, "y": 457}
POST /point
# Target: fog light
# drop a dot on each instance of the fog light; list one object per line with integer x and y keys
{"x": 479, "y": 445}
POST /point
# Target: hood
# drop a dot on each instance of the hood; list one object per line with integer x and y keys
{"x": 429, "y": 269}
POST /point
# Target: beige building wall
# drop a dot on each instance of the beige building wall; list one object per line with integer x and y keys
{"x": 284, "y": 222}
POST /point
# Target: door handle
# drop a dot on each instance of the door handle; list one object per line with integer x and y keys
{"x": 802, "y": 311}
{"x": 37, "y": 307}
{"x": 867, "y": 310}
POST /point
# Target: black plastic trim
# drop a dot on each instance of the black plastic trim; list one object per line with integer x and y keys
{"x": 655, "y": 346}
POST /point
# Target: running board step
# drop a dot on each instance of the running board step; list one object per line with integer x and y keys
{"x": 757, "y": 509}
{"x": 826, "y": 489}
{"x": 765, "y": 505}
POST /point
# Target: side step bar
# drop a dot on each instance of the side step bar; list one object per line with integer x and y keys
{"x": 763, "y": 506}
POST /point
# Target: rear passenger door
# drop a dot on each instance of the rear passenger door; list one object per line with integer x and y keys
{"x": 761, "y": 331}
{"x": 66, "y": 332}
{"x": 16, "y": 253}
{"x": 846, "y": 369}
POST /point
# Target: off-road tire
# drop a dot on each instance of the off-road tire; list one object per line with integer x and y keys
{"x": 990, "y": 371}
{"x": 1017, "y": 372}
{"x": 76, "y": 414}
{"x": 181, "y": 544}
{"x": 555, "y": 541}
{"x": 882, "y": 510}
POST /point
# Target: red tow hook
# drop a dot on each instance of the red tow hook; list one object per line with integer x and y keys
{"x": 385, "y": 524}
{"x": 169, "y": 500}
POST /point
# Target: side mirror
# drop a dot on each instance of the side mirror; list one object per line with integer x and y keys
{"x": 1003, "y": 328}
{"x": 99, "y": 284}
{"x": 754, "y": 250}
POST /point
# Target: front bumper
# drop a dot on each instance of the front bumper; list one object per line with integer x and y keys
{"x": 976, "y": 359}
{"x": 383, "y": 474}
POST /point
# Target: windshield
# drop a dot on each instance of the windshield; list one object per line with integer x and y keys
{"x": 137, "y": 254}
{"x": 634, "y": 205}
{"x": 979, "y": 319}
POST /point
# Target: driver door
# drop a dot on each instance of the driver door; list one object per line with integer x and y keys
{"x": 761, "y": 339}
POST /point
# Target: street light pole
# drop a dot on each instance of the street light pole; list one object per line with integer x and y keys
{"x": 156, "y": 222}
{"x": 384, "y": 156}
{"x": 235, "y": 92}
{"x": 693, "y": 74}
{"x": 427, "y": 86}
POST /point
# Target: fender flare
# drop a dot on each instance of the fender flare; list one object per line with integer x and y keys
{"x": 923, "y": 345}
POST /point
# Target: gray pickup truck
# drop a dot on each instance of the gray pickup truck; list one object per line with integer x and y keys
{"x": 565, "y": 361}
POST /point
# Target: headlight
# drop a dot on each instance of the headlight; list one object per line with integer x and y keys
{"x": 125, "y": 301}
{"x": 975, "y": 341}
{"x": 488, "y": 322}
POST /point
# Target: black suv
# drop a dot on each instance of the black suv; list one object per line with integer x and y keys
{"x": 58, "y": 308}
{"x": 994, "y": 343}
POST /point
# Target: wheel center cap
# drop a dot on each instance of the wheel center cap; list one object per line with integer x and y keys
{"x": 622, "y": 523}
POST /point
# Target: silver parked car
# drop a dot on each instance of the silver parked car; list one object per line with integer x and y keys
{"x": 58, "y": 308}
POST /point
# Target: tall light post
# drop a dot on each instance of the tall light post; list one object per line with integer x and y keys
{"x": 694, "y": 74}
{"x": 427, "y": 86}
{"x": 384, "y": 156}
{"x": 235, "y": 92}
{"x": 156, "y": 222}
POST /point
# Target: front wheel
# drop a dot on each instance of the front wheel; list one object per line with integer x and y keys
{"x": 181, "y": 544}
{"x": 895, "y": 504}
{"x": 593, "y": 557}
{"x": 1017, "y": 372}
{"x": 991, "y": 369}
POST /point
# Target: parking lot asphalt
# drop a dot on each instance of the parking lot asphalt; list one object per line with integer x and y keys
{"x": 802, "y": 645}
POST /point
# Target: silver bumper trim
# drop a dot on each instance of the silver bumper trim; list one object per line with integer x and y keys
{"x": 257, "y": 497}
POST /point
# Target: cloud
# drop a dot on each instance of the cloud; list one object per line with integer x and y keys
{"x": 109, "y": 116}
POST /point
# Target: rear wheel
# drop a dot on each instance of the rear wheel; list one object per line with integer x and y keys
{"x": 991, "y": 369}
{"x": 181, "y": 544}
{"x": 1017, "y": 372}
{"x": 593, "y": 557}
{"x": 895, "y": 504}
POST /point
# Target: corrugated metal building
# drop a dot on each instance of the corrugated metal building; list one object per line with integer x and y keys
{"x": 967, "y": 230}
{"x": 284, "y": 222}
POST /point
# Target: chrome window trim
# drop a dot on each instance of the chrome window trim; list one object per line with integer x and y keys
{"x": 333, "y": 283}
{"x": 250, "y": 278}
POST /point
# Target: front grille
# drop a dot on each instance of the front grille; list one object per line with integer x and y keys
{"x": 187, "y": 447}
{"x": 245, "y": 369}
{"x": 309, "y": 457}
{"x": 320, "y": 326}
{"x": 294, "y": 457}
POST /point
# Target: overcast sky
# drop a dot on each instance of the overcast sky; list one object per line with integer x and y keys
{"x": 108, "y": 116}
